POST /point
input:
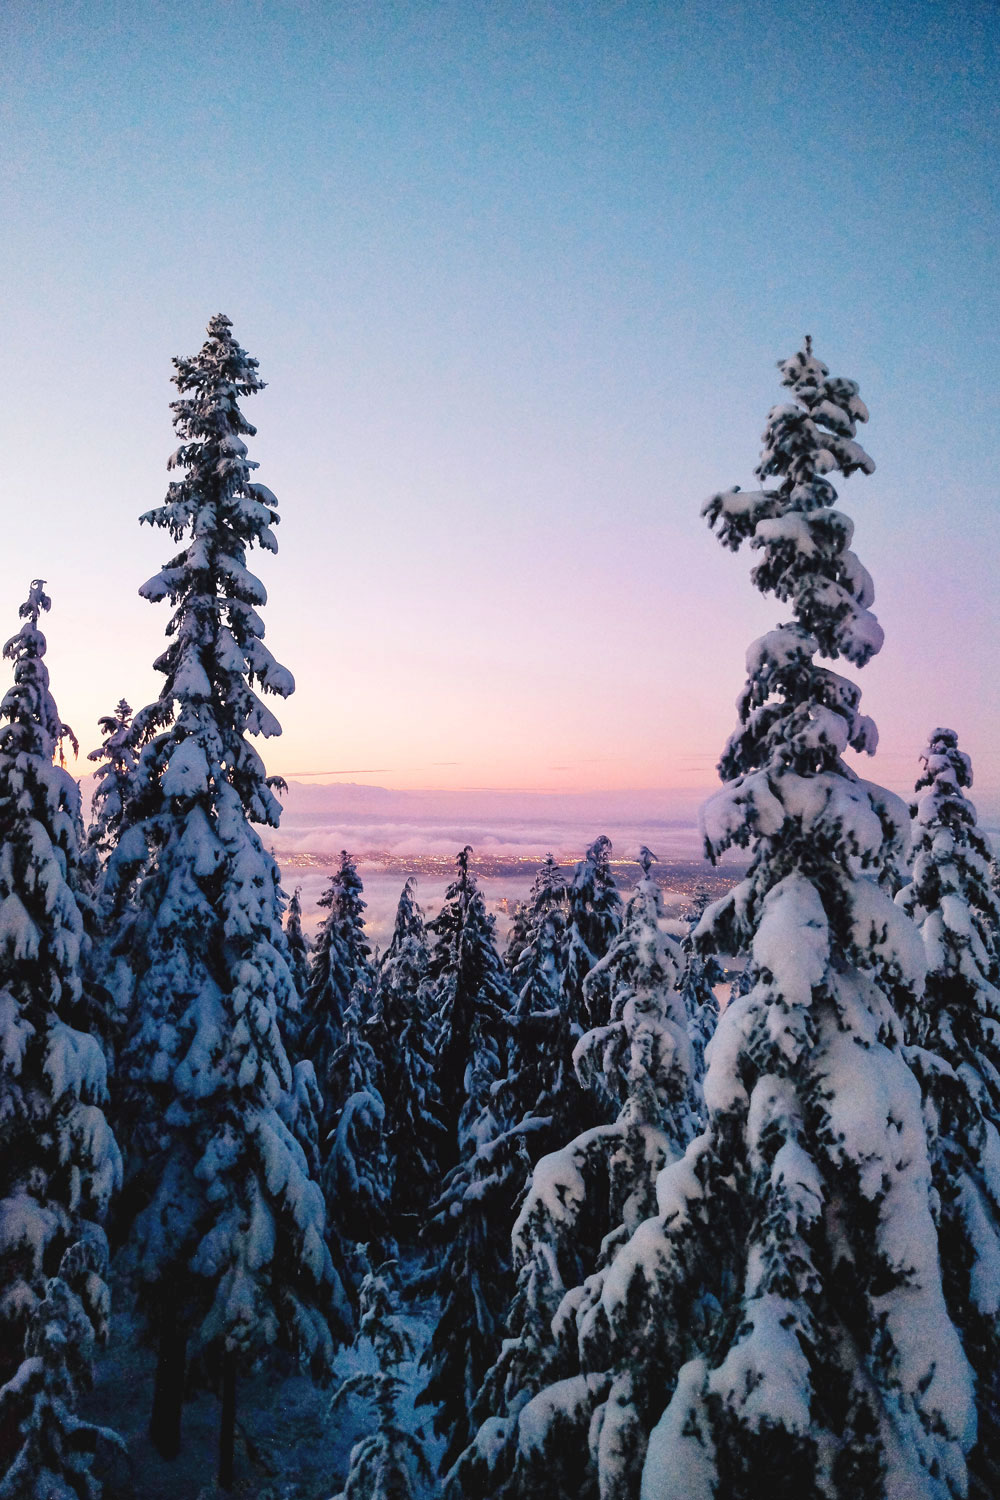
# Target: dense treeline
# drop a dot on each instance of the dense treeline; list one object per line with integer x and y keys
{"x": 672, "y": 1254}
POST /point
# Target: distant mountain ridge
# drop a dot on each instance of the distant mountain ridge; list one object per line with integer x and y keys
{"x": 342, "y": 797}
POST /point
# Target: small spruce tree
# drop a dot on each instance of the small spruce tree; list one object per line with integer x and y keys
{"x": 356, "y": 1168}
{"x": 340, "y": 972}
{"x": 59, "y": 1163}
{"x": 587, "y": 1198}
{"x": 116, "y": 761}
{"x": 539, "y": 1080}
{"x": 335, "y": 1042}
{"x": 517, "y": 934}
{"x": 299, "y": 948}
{"x": 469, "y": 993}
{"x": 954, "y": 1037}
{"x": 702, "y": 972}
{"x": 595, "y": 919}
{"x": 642, "y": 1059}
{"x": 402, "y": 1040}
{"x": 389, "y": 1462}
{"x": 469, "y": 1221}
{"x": 109, "y": 909}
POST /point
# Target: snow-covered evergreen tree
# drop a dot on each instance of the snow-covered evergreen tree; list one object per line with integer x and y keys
{"x": 954, "y": 1036}
{"x": 402, "y": 1039}
{"x": 995, "y": 888}
{"x": 743, "y": 981}
{"x": 642, "y": 1059}
{"x": 702, "y": 972}
{"x": 540, "y": 1080}
{"x": 334, "y": 1040}
{"x": 116, "y": 761}
{"x": 595, "y": 919}
{"x": 340, "y": 970}
{"x": 469, "y": 1220}
{"x": 517, "y": 934}
{"x": 227, "y": 1233}
{"x": 588, "y": 1197}
{"x": 779, "y": 1326}
{"x": 59, "y": 1453}
{"x": 468, "y": 1232}
{"x": 470, "y": 995}
{"x": 301, "y": 1107}
{"x": 108, "y": 911}
{"x": 59, "y": 1163}
{"x": 388, "y": 1462}
{"x": 356, "y": 1172}
{"x": 299, "y": 947}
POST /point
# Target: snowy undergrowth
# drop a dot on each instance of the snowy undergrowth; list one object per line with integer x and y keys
{"x": 289, "y": 1444}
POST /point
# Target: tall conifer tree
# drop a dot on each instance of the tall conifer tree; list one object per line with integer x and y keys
{"x": 227, "y": 1227}
{"x": 779, "y": 1326}
{"x": 59, "y": 1163}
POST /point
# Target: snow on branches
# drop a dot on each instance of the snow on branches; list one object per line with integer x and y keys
{"x": 954, "y": 1049}
{"x": 59, "y": 1163}
{"x": 779, "y": 1325}
{"x": 229, "y": 1230}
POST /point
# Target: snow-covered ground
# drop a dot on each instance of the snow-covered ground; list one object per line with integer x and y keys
{"x": 290, "y": 1445}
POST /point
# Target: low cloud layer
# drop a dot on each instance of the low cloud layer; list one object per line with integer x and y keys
{"x": 373, "y": 820}
{"x": 565, "y": 841}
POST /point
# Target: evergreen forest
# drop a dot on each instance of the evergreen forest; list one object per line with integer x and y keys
{"x": 622, "y": 1209}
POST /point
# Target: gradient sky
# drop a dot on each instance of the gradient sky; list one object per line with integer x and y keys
{"x": 517, "y": 275}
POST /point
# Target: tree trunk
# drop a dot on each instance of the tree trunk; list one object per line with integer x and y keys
{"x": 227, "y": 1425}
{"x": 168, "y": 1391}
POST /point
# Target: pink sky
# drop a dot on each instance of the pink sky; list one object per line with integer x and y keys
{"x": 517, "y": 278}
{"x": 616, "y": 686}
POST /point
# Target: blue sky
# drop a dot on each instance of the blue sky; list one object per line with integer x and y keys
{"x": 518, "y": 275}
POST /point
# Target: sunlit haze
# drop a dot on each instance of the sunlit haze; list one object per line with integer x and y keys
{"x": 517, "y": 277}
